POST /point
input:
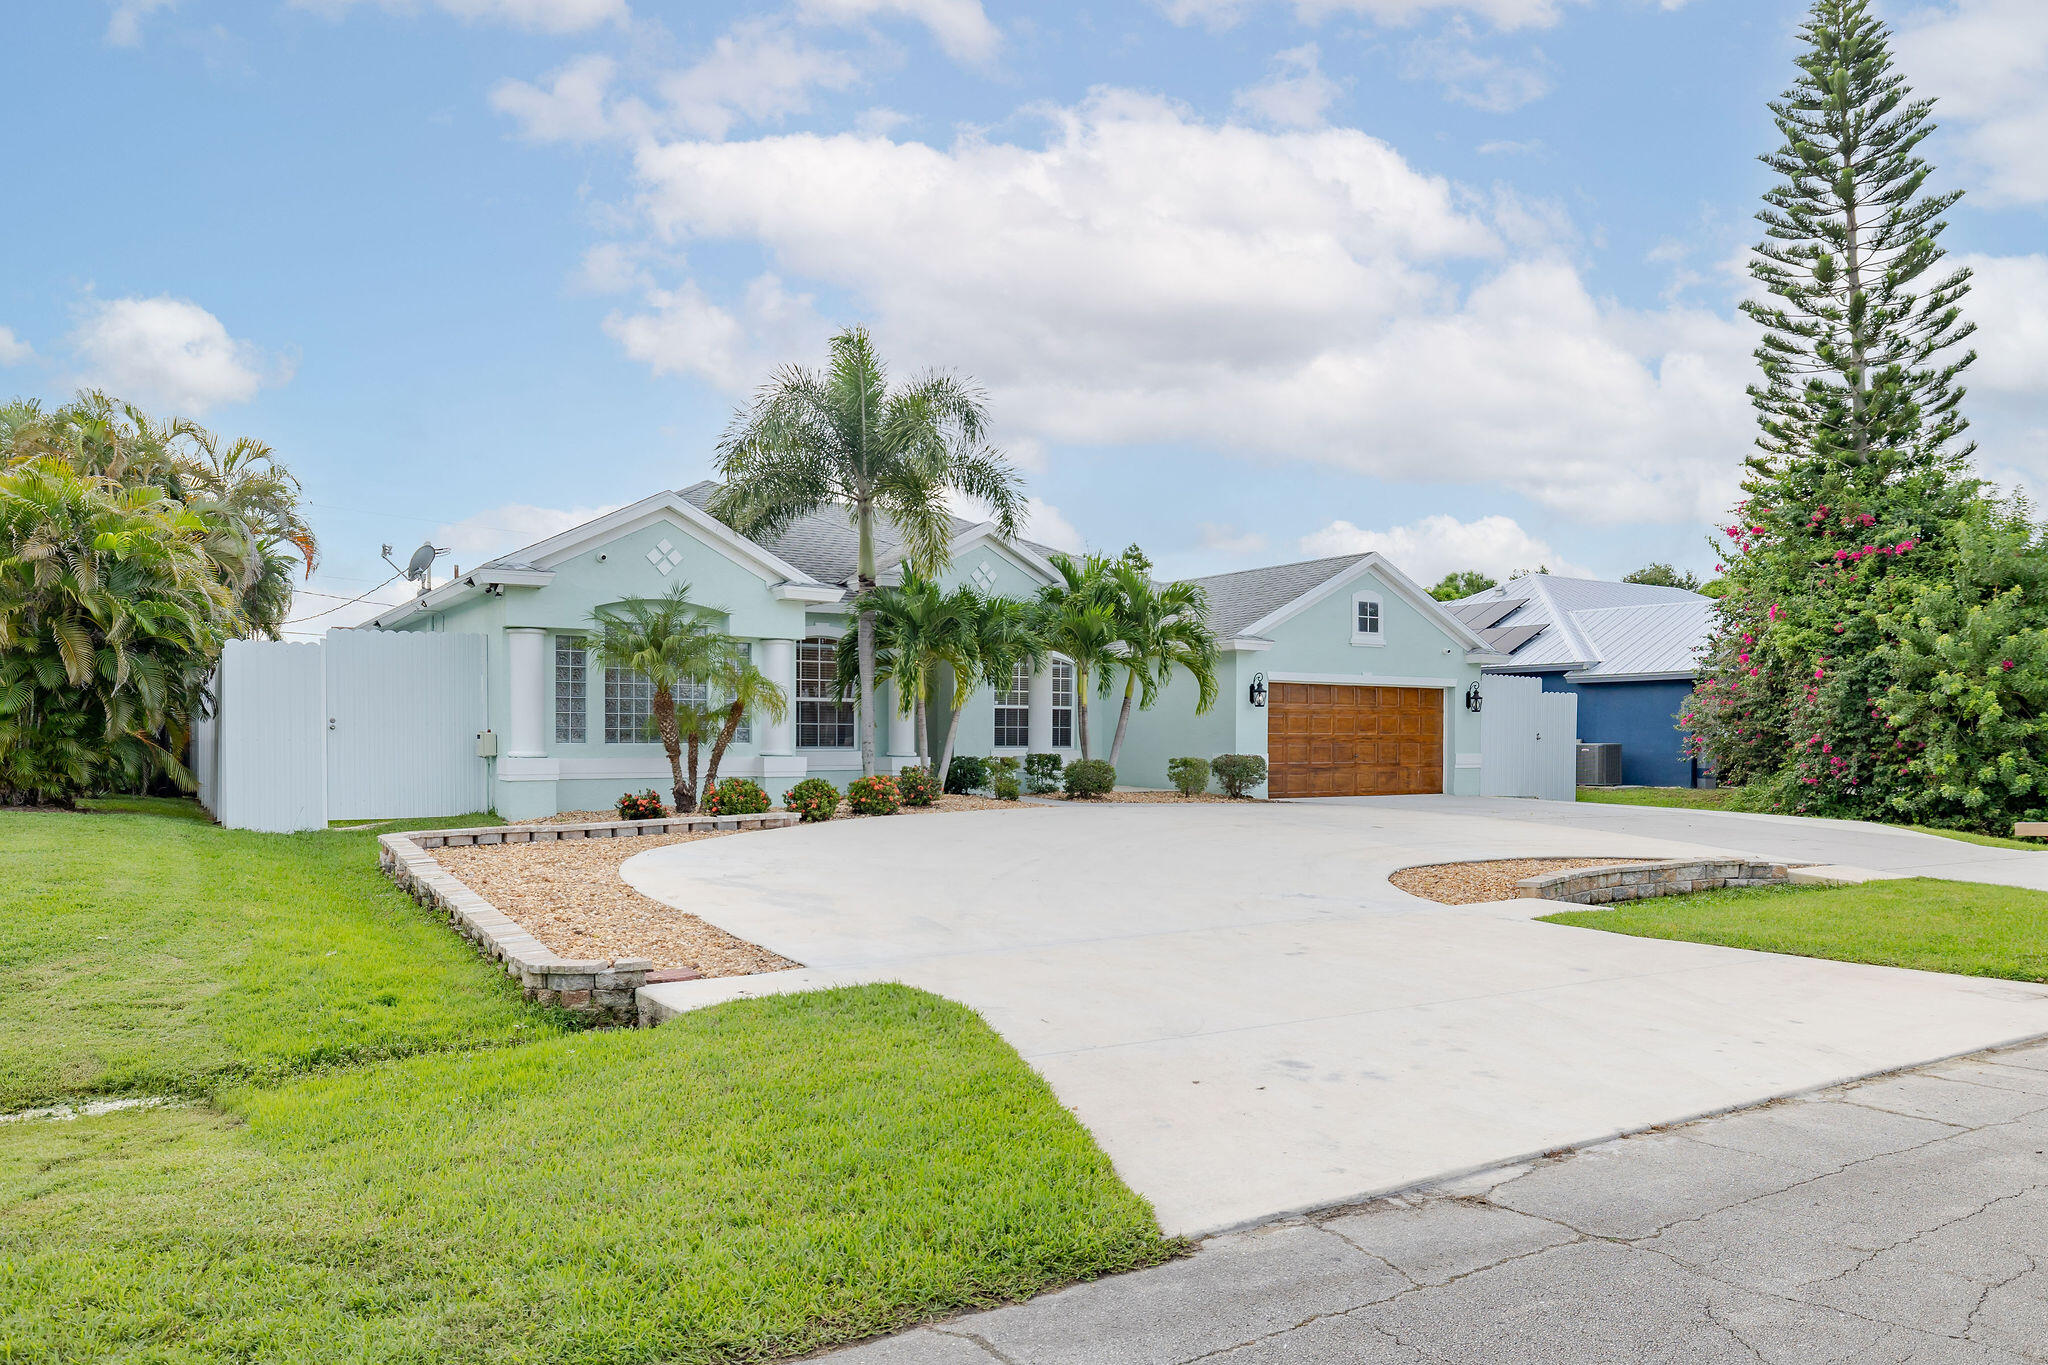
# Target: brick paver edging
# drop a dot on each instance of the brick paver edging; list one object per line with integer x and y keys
{"x": 604, "y": 988}
{"x": 1639, "y": 881}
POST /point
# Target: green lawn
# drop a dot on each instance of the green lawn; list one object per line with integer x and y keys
{"x": 394, "y": 1158}
{"x": 1730, "y": 798}
{"x": 1936, "y": 926}
{"x": 149, "y": 951}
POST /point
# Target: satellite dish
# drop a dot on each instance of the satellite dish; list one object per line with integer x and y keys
{"x": 420, "y": 568}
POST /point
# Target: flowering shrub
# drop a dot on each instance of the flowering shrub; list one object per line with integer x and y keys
{"x": 813, "y": 799}
{"x": 877, "y": 795}
{"x": 641, "y": 806}
{"x": 917, "y": 786}
{"x": 737, "y": 796}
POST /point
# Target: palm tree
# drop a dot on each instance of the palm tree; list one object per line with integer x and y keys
{"x": 668, "y": 641}
{"x": 917, "y": 627}
{"x": 1160, "y": 628}
{"x": 745, "y": 691}
{"x": 110, "y": 621}
{"x": 1077, "y": 616}
{"x": 841, "y": 437}
{"x": 1003, "y": 633}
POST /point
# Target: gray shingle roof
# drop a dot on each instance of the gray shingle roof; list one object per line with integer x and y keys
{"x": 1238, "y": 599}
{"x": 1593, "y": 627}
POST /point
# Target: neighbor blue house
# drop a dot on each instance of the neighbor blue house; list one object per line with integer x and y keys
{"x": 1628, "y": 651}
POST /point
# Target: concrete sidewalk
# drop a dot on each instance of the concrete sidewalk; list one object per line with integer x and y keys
{"x": 1900, "y": 1219}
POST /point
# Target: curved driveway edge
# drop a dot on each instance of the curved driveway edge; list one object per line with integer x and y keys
{"x": 1255, "y": 1023}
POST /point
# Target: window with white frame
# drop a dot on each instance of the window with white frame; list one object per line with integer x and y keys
{"x": 1062, "y": 704}
{"x": 572, "y": 689}
{"x": 822, "y": 720}
{"x": 628, "y": 706}
{"x": 1013, "y": 710}
{"x": 745, "y": 734}
{"x": 1365, "y": 619}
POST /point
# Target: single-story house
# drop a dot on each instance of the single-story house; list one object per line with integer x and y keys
{"x": 1629, "y": 651}
{"x": 1343, "y": 673}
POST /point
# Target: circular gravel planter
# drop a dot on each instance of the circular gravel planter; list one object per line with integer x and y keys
{"x": 1581, "y": 881}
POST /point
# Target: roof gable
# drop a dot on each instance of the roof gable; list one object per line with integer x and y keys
{"x": 1252, "y": 602}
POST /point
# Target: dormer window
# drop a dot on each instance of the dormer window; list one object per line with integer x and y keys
{"x": 1366, "y": 624}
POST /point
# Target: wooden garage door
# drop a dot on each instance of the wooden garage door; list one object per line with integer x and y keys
{"x": 1328, "y": 740}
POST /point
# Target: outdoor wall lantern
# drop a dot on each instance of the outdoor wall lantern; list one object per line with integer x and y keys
{"x": 1258, "y": 689}
{"x": 1473, "y": 701}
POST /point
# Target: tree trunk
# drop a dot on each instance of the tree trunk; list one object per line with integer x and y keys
{"x": 1081, "y": 706}
{"x": 918, "y": 742}
{"x": 866, "y": 641}
{"x": 733, "y": 716}
{"x": 1123, "y": 721}
{"x": 946, "y": 754}
{"x": 696, "y": 741}
{"x": 672, "y": 741}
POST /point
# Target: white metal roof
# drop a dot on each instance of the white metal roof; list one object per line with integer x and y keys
{"x": 1583, "y": 621}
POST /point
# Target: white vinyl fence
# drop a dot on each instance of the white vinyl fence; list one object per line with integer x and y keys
{"x": 364, "y": 725}
{"x": 1528, "y": 740}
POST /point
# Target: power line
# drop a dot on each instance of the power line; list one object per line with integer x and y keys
{"x": 351, "y": 602}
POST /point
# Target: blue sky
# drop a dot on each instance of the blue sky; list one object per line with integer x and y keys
{"x": 1246, "y": 281}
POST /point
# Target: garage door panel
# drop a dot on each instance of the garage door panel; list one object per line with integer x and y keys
{"x": 1339, "y": 740}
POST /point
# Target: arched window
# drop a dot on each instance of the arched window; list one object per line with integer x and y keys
{"x": 822, "y": 720}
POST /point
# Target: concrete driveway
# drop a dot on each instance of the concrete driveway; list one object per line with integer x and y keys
{"x": 1254, "y": 1023}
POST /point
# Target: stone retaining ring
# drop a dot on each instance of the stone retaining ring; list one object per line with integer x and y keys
{"x": 605, "y": 989}
{"x": 1640, "y": 881}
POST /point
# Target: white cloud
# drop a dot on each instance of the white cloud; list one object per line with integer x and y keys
{"x": 758, "y": 71}
{"x": 680, "y": 331}
{"x": 1225, "y": 539}
{"x": 570, "y": 109}
{"x": 171, "y": 352}
{"x": 960, "y": 27}
{"x": 2006, "y": 301}
{"x": 13, "y": 350}
{"x": 1296, "y": 95}
{"x": 501, "y": 530}
{"x": 124, "y": 25}
{"x": 1502, "y": 14}
{"x": 542, "y": 16}
{"x": 1145, "y": 296}
{"x": 1987, "y": 61}
{"x": 1048, "y": 525}
{"x": 1472, "y": 77}
{"x": 1428, "y": 549}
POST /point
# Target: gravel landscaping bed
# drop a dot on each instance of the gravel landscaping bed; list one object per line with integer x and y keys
{"x": 1470, "y": 883}
{"x": 1144, "y": 797}
{"x": 571, "y": 898}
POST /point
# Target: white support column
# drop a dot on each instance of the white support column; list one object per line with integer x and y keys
{"x": 902, "y": 732}
{"x": 778, "y": 661}
{"x": 1040, "y": 720}
{"x": 526, "y": 650}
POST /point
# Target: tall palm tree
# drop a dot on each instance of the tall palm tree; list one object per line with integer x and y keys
{"x": 669, "y": 641}
{"x": 1160, "y": 627}
{"x": 917, "y": 628}
{"x": 1002, "y": 633}
{"x": 1077, "y": 616}
{"x": 842, "y": 437}
{"x": 740, "y": 690}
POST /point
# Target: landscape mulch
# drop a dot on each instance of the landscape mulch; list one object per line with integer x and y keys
{"x": 1470, "y": 883}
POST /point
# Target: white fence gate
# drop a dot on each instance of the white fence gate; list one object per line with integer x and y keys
{"x": 1528, "y": 740}
{"x": 363, "y": 725}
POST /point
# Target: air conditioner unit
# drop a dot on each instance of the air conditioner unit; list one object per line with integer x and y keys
{"x": 1599, "y": 765}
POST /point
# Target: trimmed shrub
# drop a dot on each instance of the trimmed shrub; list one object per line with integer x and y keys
{"x": 917, "y": 786}
{"x": 1238, "y": 773}
{"x": 877, "y": 795}
{"x": 641, "y": 806}
{"x": 1086, "y": 777}
{"x": 1041, "y": 773}
{"x": 1006, "y": 787}
{"x": 737, "y": 796}
{"x": 968, "y": 774}
{"x": 1190, "y": 776}
{"x": 813, "y": 799}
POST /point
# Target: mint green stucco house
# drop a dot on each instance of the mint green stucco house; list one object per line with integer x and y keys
{"x": 571, "y": 735}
